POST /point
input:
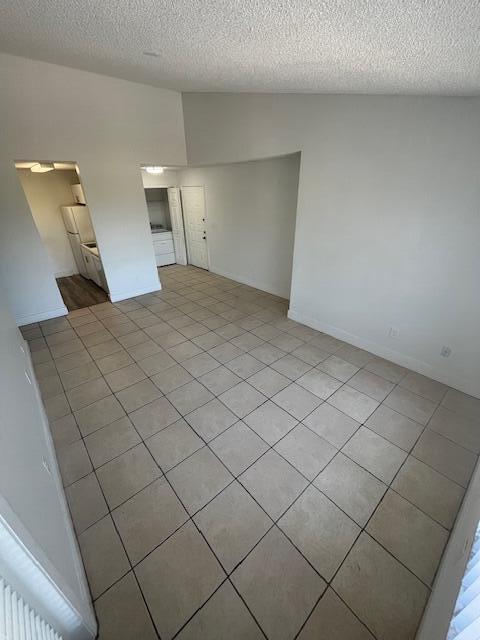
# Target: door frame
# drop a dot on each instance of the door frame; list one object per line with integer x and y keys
{"x": 202, "y": 186}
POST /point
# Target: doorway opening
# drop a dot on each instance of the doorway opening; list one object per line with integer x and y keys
{"x": 177, "y": 217}
{"x": 60, "y": 212}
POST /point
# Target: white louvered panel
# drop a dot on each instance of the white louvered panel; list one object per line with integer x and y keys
{"x": 18, "y": 621}
{"x": 465, "y": 624}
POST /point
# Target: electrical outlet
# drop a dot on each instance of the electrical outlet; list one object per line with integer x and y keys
{"x": 394, "y": 332}
{"x": 445, "y": 352}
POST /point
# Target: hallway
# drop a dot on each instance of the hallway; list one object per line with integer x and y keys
{"x": 233, "y": 474}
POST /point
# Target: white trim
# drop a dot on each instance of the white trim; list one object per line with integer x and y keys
{"x": 28, "y": 577}
{"x": 65, "y": 273}
{"x": 262, "y": 286}
{"x": 42, "y": 315}
{"x": 124, "y": 295}
{"x": 462, "y": 384}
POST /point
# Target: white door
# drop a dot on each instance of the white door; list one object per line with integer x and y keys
{"x": 194, "y": 216}
{"x": 176, "y": 217}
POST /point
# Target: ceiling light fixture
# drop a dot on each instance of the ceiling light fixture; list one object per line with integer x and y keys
{"x": 42, "y": 167}
{"x": 155, "y": 170}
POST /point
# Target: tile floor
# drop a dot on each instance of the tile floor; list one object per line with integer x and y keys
{"x": 234, "y": 474}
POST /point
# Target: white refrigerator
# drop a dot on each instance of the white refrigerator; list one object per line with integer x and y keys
{"x": 79, "y": 230}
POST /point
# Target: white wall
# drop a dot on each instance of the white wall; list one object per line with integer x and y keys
{"x": 169, "y": 178}
{"x": 32, "y": 502}
{"x": 388, "y": 221}
{"x": 109, "y": 127}
{"x": 46, "y": 193}
{"x": 251, "y": 209}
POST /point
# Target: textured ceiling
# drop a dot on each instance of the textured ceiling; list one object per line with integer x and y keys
{"x": 321, "y": 46}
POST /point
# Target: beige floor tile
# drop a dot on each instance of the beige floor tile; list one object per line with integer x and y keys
{"x": 173, "y": 444}
{"x": 395, "y": 427}
{"x": 233, "y": 524}
{"x": 50, "y": 386}
{"x": 67, "y": 348}
{"x": 110, "y": 441}
{"x": 122, "y": 477}
{"x": 372, "y": 385}
{"x": 413, "y": 406}
{"x": 211, "y": 419}
{"x": 281, "y": 610}
{"x": 306, "y": 451}
{"x": 171, "y": 378}
{"x": 356, "y": 356}
{"x": 457, "y": 428}
{"x": 86, "y": 502}
{"x": 114, "y": 361}
{"x": 103, "y": 556}
{"x": 72, "y": 360}
{"x": 138, "y": 395}
{"x": 122, "y": 614}
{"x": 242, "y": 399}
{"x": 445, "y": 456}
{"x": 79, "y": 375}
{"x": 65, "y": 430}
{"x": 268, "y": 381}
{"x": 143, "y": 349}
{"x": 208, "y": 340}
{"x": 219, "y": 380}
{"x": 423, "y": 386}
{"x": 433, "y": 493}
{"x": 125, "y": 377}
{"x": 354, "y": 403}
{"x": 332, "y": 620}
{"x": 385, "y": 369}
{"x": 148, "y": 518}
{"x": 225, "y": 352}
{"x": 410, "y": 535}
{"x": 42, "y": 355}
{"x": 245, "y": 365}
{"x": 238, "y": 447}
{"x": 98, "y": 414}
{"x": 131, "y": 339}
{"x": 380, "y": 591}
{"x": 274, "y": 483}
{"x": 177, "y": 578}
{"x": 331, "y": 424}
{"x": 319, "y": 383}
{"x": 320, "y": 530}
{"x": 352, "y": 488}
{"x": 198, "y": 479}
{"x": 297, "y": 401}
{"x": 61, "y": 336}
{"x": 184, "y": 351}
{"x": 291, "y": 366}
{"x": 223, "y": 616}
{"x": 200, "y": 364}
{"x": 286, "y": 342}
{"x": 338, "y": 368}
{"x": 88, "y": 393}
{"x": 247, "y": 341}
{"x": 96, "y": 338}
{"x": 56, "y": 407}
{"x": 270, "y": 422}
{"x": 462, "y": 403}
{"x": 267, "y": 353}
{"x": 374, "y": 453}
{"x": 310, "y": 354}
{"x": 189, "y": 397}
{"x": 154, "y": 417}
{"x": 45, "y": 370}
{"x": 156, "y": 363}
{"x": 73, "y": 461}
{"x": 104, "y": 349}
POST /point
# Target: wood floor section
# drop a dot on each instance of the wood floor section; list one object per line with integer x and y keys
{"x": 78, "y": 292}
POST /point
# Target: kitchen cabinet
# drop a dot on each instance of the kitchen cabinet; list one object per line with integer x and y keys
{"x": 163, "y": 248}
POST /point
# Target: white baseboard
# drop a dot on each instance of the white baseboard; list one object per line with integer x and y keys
{"x": 257, "y": 284}
{"x": 125, "y": 295}
{"x": 42, "y": 315}
{"x": 66, "y": 273}
{"x": 462, "y": 384}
